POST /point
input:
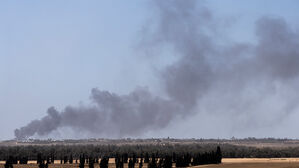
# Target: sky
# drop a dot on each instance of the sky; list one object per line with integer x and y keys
{"x": 53, "y": 53}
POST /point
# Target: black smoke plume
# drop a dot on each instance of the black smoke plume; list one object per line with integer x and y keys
{"x": 210, "y": 73}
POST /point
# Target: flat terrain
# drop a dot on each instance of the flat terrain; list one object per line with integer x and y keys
{"x": 227, "y": 163}
{"x": 248, "y": 142}
{"x": 253, "y": 165}
{"x": 281, "y": 146}
{"x": 257, "y": 163}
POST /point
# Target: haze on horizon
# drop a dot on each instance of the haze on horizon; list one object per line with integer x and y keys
{"x": 171, "y": 68}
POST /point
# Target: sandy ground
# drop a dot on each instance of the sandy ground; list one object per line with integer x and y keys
{"x": 256, "y": 163}
{"x": 260, "y": 160}
{"x": 253, "y": 165}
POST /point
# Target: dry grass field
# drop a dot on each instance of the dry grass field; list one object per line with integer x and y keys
{"x": 254, "y": 165}
{"x": 257, "y": 163}
{"x": 227, "y": 163}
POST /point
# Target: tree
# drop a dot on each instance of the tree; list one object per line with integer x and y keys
{"x": 8, "y": 163}
{"x": 140, "y": 163}
{"x": 39, "y": 158}
{"x": 91, "y": 162}
{"x": 52, "y": 158}
{"x": 71, "y": 159}
{"x": 125, "y": 157}
{"x": 153, "y": 162}
{"x": 146, "y": 158}
{"x": 104, "y": 162}
{"x": 65, "y": 159}
{"x": 218, "y": 155}
{"x": 131, "y": 164}
{"x": 42, "y": 164}
{"x": 82, "y": 161}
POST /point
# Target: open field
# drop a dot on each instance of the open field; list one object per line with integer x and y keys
{"x": 226, "y": 163}
{"x": 256, "y": 163}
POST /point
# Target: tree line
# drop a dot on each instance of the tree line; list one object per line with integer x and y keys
{"x": 60, "y": 151}
{"x": 153, "y": 160}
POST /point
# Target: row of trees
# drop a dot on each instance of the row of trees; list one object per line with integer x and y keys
{"x": 64, "y": 152}
{"x": 60, "y": 151}
{"x": 157, "y": 160}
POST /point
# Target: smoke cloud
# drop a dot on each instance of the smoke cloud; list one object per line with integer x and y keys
{"x": 118, "y": 115}
{"x": 254, "y": 83}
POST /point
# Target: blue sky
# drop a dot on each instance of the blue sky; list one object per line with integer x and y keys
{"x": 52, "y": 53}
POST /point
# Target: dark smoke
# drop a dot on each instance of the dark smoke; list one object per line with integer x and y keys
{"x": 119, "y": 115}
{"x": 254, "y": 83}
